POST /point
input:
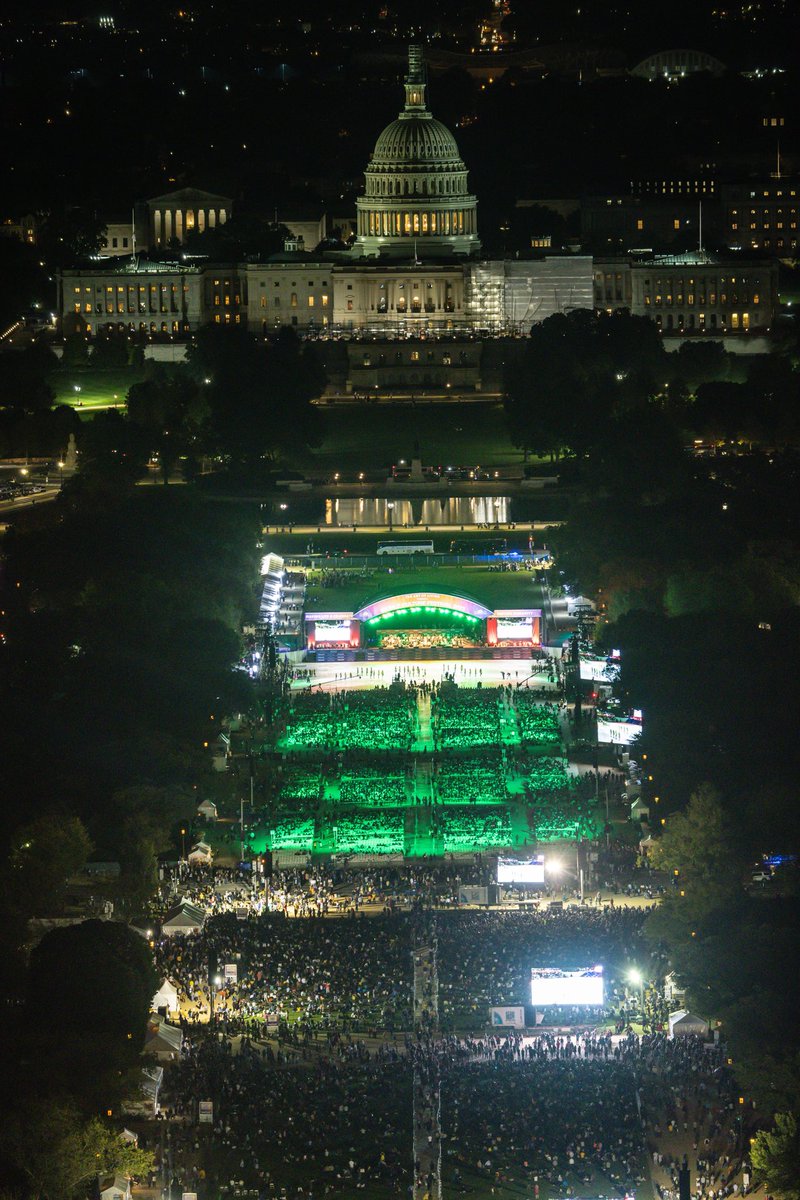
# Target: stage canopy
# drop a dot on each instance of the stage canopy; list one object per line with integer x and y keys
{"x": 422, "y": 604}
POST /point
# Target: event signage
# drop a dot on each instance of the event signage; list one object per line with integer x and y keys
{"x": 205, "y": 1112}
{"x": 508, "y": 1017}
{"x": 231, "y": 973}
{"x": 473, "y": 894}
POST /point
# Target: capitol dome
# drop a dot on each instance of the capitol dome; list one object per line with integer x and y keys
{"x": 416, "y": 200}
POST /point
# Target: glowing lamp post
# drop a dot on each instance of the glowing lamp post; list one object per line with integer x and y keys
{"x": 637, "y": 979}
{"x": 390, "y": 510}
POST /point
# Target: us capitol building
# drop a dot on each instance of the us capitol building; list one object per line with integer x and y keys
{"x": 413, "y": 272}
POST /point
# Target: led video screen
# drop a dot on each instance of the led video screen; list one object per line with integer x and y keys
{"x": 529, "y": 870}
{"x": 549, "y": 985}
{"x": 514, "y": 629}
{"x": 332, "y": 631}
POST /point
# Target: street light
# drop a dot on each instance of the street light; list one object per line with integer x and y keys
{"x": 637, "y": 979}
{"x": 390, "y": 510}
{"x": 60, "y": 465}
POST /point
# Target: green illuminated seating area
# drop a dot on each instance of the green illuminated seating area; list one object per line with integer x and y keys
{"x": 370, "y": 832}
{"x": 538, "y": 723}
{"x": 377, "y": 791}
{"x": 547, "y": 774}
{"x": 555, "y": 821}
{"x": 308, "y": 730}
{"x": 351, "y": 783}
{"x": 474, "y": 778}
{"x": 378, "y": 719}
{"x": 301, "y": 783}
{"x": 461, "y": 718}
{"x": 292, "y": 833}
{"x": 467, "y": 828}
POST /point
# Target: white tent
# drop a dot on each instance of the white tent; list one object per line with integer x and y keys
{"x": 183, "y": 918}
{"x": 199, "y": 853}
{"x": 166, "y": 997}
{"x": 114, "y": 1187}
{"x": 208, "y": 809}
{"x": 682, "y": 1022}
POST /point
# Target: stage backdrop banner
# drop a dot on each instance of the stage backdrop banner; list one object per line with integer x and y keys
{"x": 473, "y": 894}
{"x": 507, "y": 1017}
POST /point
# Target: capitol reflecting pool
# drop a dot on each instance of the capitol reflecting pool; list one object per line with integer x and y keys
{"x": 411, "y": 514}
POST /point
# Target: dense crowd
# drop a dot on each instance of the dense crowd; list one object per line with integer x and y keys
{"x": 551, "y": 1112}
{"x": 462, "y": 718}
{"x": 469, "y": 828}
{"x": 332, "y": 973}
{"x": 486, "y": 958}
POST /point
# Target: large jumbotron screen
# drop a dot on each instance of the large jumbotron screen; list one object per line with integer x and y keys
{"x": 549, "y": 985}
{"x": 528, "y": 870}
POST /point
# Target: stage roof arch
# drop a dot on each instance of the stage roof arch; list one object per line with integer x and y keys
{"x": 422, "y": 602}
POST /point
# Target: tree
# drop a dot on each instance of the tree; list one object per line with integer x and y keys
{"x": 111, "y": 349}
{"x": 42, "y": 857}
{"x": 699, "y": 845}
{"x": 104, "y": 977}
{"x": 775, "y": 1154}
{"x": 70, "y": 236}
{"x": 172, "y": 412}
{"x": 147, "y": 818}
{"x": 700, "y": 362}
{"x": 259, "y": 397}
{"x": 578, "y": 371}
{"x": 113, "y": 455}
{"x": 76, "y": 350}
{"x": 238, "y": 238}
{"x": 59, "y": 1153}
{"x": 24, "y": 386}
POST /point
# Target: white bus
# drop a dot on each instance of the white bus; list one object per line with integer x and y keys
{"x": 405, "y": 547}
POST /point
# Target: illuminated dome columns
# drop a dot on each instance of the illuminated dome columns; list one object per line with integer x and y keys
{"x": 416, "y": 184}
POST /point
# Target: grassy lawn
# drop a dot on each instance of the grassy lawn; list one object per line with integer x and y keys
{"x": 98, "y": 389}
{"x": 494, "y": 589}
{"x": 360, "y": 438}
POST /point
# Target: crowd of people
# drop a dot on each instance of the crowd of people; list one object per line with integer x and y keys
{"x": 486, "y": 958}
{"x": 546, "y": 1114}
{"x": 469, "y": 828}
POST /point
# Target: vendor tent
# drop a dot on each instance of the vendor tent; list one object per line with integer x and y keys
{"x": 682, "y": 1022}
{"x": 114, "y": 1187}
{"x": 200, "y": 853}
{"x": 163, "y": 1041}
{"x": 208, "y": 809}
{"x": 166, "y": 997}
{"x": 142, "y": 1099}
{"x": 183, "y": 918}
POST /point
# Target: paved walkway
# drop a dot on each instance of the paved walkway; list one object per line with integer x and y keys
{"x": 427, "y": 1099}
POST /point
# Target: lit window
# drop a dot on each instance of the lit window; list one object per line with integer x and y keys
{"x": 639, "y": 224}
{"x": 293, "y": 300}
{"x": 310, "y": 301}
